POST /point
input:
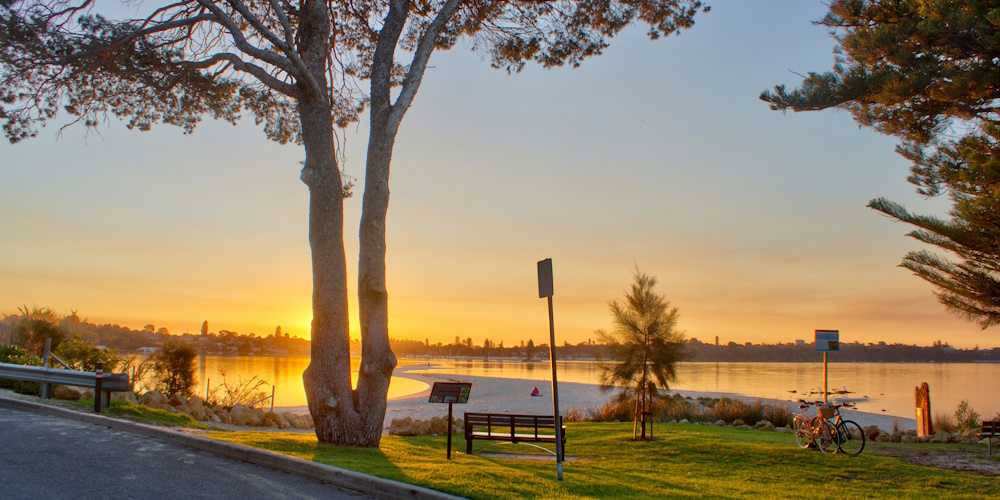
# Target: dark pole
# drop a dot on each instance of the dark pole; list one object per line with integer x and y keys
{"x": 449, "y": 431}
{"x": 555, "y": 393}
{"x": 97, "y": 387}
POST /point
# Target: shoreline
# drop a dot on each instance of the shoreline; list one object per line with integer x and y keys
{"x": 509, "y": 395}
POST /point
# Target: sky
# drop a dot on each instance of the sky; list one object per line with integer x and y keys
{"x": 656, "y": 154}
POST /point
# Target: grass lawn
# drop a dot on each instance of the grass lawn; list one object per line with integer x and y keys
{"x": 684, "y": 461}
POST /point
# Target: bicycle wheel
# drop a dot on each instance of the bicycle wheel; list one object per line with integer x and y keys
{"x": 802, "y": 430}
{"x": 850, "y": 437}
{"x": 826, "y": 436}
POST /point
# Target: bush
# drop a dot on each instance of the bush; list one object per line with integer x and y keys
{"x": 84, "y": 355}
{"x": 966, "y": 417}
{"x": 241, "y": 392}
{"x": 174, "y": 367}
{"x": 944, "y": 422}
{"x": 18, "y": 356}
{"x": 678, "y": 408}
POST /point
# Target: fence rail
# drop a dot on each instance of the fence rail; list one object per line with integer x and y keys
{"x": 109, "y": 381}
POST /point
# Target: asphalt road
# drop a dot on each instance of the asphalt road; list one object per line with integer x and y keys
{"x": 48, "y": 457}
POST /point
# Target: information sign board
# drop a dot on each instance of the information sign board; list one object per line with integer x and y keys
{"x": 450, "y": 392}
{"x": 827, "y": 340}
{"x": 544, "y": 278}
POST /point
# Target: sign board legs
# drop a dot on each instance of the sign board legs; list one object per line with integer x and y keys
{"x": 449, "y": 431}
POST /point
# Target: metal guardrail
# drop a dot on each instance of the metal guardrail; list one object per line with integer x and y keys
{"x": 102, "y": 384}
{"x": 117, "y": 382}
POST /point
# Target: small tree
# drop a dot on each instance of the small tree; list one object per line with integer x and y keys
{"x": 34, "y": 327}
{"x": 645, "y": 347}
{"x": 174, "y": 368}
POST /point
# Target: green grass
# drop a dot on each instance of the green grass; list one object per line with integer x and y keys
{"x": 143, "y": 414}
{"x": 685, "y": 461}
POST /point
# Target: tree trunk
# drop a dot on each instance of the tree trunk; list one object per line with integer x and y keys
{"x": 327, "y": 379}
{"x": 377, "y": 359}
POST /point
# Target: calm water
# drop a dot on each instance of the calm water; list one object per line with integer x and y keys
{"x": 889, "y": 386}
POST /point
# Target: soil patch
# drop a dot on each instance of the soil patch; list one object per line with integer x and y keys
{"x": 967, "y": 460}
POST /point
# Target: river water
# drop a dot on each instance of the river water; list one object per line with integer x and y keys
{"x": 888, "y": 387}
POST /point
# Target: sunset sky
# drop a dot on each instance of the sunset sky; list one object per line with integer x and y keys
{"x": 657, "y": 154}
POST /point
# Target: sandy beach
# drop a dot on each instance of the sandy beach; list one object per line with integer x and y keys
{"x": 504, "y": 395}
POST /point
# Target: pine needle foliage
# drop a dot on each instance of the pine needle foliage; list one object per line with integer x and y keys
{"x": 926, "y": 72}
{"x": 645, "y": 347}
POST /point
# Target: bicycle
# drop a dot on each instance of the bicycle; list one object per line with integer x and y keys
{"x": 814, "y": 430}
{"x": 850, "y": 435}
{"x": 845, "y": 436}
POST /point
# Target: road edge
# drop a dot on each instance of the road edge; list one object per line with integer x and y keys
{"x": 321, "y": 472}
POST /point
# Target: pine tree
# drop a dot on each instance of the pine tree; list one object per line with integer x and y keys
{"x": 927, "y": 72}
{"x": 645, "y": 347}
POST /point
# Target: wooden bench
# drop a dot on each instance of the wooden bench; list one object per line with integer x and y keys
{"x": 990, "y": 429}
{"x": 513, "y": 428}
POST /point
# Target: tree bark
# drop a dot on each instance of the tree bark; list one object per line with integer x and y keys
{"x": 327, "y": 379}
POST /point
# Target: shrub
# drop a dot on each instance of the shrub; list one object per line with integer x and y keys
{"x": 18, "y": 356}
{"x": 174, "y": 367}
{"x": 241, "y": 392}
{"x": 966, "y": 417}
{"x": 84, "y": 355}
{"x": 943, "y": 422}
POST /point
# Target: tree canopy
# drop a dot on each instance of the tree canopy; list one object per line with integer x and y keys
{"x": 927, "y": 72}
{"x": 299, "y": 69}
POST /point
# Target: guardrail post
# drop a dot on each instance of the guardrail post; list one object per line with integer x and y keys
{"x": 44, "y": 389}
{"x": 97, "y": 388}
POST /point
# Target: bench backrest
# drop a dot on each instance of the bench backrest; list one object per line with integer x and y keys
{"x": 991, "y": 426}
{"x": 506, "y": 420}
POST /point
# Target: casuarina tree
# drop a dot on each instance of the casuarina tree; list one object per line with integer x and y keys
{"x": 645, "y": 347}
{"x": 927, "y": 72}
{"x": 298, "y": 68}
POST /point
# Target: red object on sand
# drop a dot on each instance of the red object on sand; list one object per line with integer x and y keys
{"x": 535, "y": 391}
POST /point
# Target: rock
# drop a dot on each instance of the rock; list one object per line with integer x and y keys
{"x": 180, "y": 403}
{"x": 969, "y": 433}
{"x": 674, "y": 421}
{"x": 67, "y": 392}
{"x": 309, "y": 418}
{"x": 684, "y": 421}
{"x": 940, "y": 437}
{"x": 908, "y": 439}
{"x": 277, "y": 419}
{"x": 422, "y": 427}
{"x": 744, "y": 426}
{"x": 738, "y": 422}
{"x": 785, "y": 430}
{"x": 897, "y": 437}
{"x": 240, "y": 415}
{"x": 212, "y": 417}
{"x": 911, "y": 432}
{"x": 399, "y": 422}
{"x": 152, "y": 398}
{"x": 403, "y": 430}
{"x": 883, "y": 437}
{"x": 720, "y": 423}
{"x": 438, "y": 426}
{"x": 124, "y": 396}
{"x": 256, "y": 417}
{"x": 764, "y": 425}
{"x": 872, "y": 432}
{"x": 88, "y": 394}
{"x": 298, "y": 421}
{"x": 197, "y": 409}
{"x": 222, "y": 415}
{"x": 970, "y": 440}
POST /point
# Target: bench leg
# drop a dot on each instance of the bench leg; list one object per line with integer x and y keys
{"x": 468, "y": 445}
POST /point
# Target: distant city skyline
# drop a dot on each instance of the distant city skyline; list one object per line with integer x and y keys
{"x": 656, "y": 154}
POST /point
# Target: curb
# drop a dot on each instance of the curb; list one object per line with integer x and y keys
{"x": 321, "y": 472}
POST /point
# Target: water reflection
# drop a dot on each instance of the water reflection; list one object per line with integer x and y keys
{"x": 889, "y": 386}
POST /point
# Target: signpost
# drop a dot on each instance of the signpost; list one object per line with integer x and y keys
{"x": 451, "y": 393}
{"x": 827, "y": 341}
{"x": 545, "y": 290}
